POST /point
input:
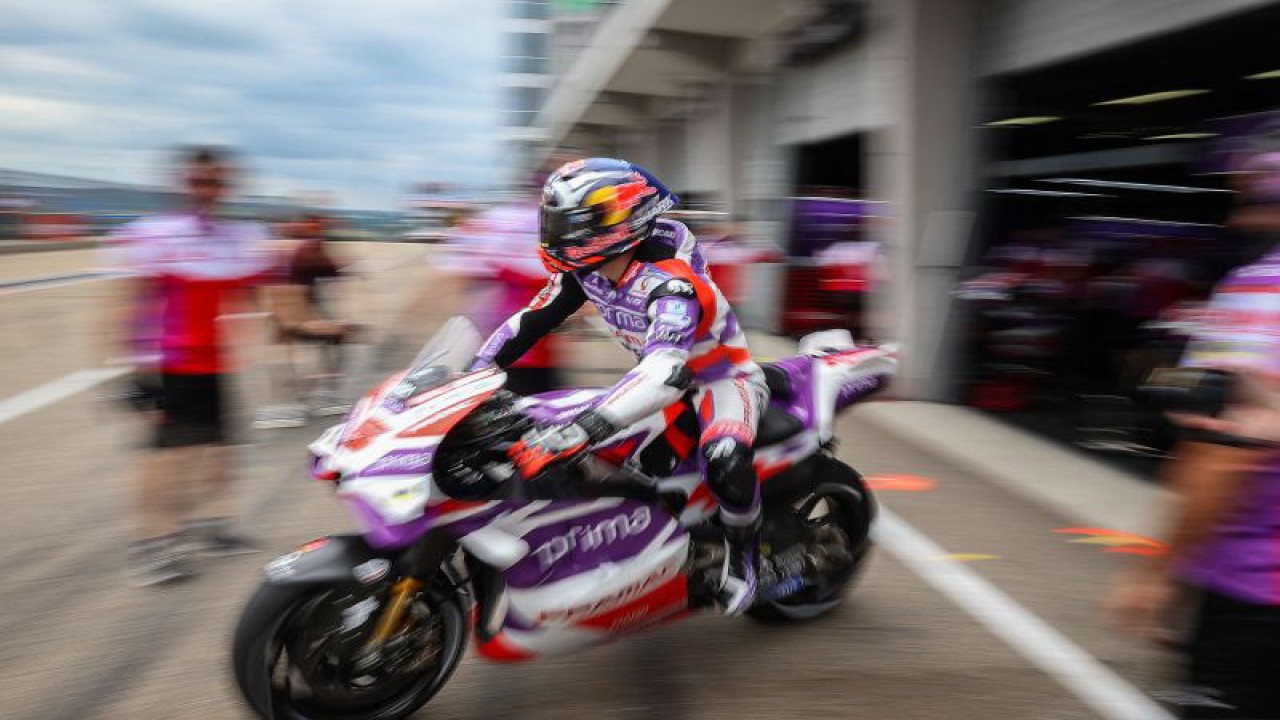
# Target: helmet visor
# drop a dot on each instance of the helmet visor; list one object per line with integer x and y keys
{"x": 560, "y": 226}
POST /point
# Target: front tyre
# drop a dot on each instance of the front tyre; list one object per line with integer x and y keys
{"x": 836, "y": 516}
{"x": 299, "y": 652}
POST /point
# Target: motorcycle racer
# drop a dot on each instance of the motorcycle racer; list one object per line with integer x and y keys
{"x": 603, "y": 240}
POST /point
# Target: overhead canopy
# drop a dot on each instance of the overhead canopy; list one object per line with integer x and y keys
{"x": 658, "y": 49}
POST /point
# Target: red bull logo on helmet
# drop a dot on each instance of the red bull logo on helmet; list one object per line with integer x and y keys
{"x": 617, "y": 201}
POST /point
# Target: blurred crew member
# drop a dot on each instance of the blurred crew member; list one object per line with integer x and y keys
{"x": 189, "y": 268}
{"x": 603, "y": 240}
{"x": 312, "y": 263}
{"x": 495, "y": 254}
{"x": 299, "y": 312}
{"x": 1224, "y": 528}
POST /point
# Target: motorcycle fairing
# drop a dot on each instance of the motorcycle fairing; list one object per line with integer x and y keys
{"x": 594, "y": 568}
{"x": 383, "y": 453}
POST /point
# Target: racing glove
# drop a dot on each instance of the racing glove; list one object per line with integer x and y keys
{"x": 543, "y": 447}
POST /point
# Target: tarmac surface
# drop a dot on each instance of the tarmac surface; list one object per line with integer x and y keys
{"x": 936, "y": 628}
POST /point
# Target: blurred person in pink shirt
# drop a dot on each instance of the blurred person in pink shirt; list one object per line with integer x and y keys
{"x": 186, "y": 270}
{"x": 495, "y": 253}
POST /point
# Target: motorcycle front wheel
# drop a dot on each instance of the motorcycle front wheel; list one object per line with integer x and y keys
{"x": 300, "y": 652}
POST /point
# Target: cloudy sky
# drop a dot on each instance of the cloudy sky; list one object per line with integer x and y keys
{"x": 358, "y": 97}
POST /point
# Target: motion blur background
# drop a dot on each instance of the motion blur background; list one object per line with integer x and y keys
{"x": 873, "y": 154}
{"x": 1032, "y": 196}
{"x": 1073, "y": 160}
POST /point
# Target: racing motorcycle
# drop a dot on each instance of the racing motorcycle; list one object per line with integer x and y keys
{"x": 452, "y": 542}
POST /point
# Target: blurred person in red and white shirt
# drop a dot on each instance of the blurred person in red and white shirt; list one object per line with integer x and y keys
{"x": 186, "y": 271}
{"x": 495, "y": 254}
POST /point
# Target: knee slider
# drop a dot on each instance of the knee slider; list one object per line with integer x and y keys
{"x": 730, "y": 471}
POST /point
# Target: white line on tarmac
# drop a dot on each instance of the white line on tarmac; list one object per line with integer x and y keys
{"x": 51, "y": 392}
{"x": 1095, "y": 684}
{"x": 19, "y": 285}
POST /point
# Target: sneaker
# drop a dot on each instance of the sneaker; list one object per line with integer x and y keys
{"x": 158, "y": 561}
{"x": 740, "y": 578}
{"x": 211, "y": 539}
{"x": 280, "y": 416}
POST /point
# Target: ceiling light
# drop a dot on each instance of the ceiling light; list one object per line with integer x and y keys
{"x": 1152, "y": 97}
{"x": 1048, "y": 193}
{"x": 1147, "y": 221}
{"x": 1268, "y": 75}
{"x": 1183, "y": 136}
{"x": 1135, "y": 186}
{"x": 1024, "y": 121}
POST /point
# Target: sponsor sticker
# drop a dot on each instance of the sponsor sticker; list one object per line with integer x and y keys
{"x": 371, "y": 571}
{"x": 722, "y": 448}
{"x": 625, "y": 320}
{"x": 402, "y": 462}
{"x": 682, "y": 287}
{"x": 283, "y": 566}
{"x": 644, "y": 285}
{"x": 593, "y": 536}
{"x": 675, "y": 318}
{"x": 618, "y": 599}
{"x": 652, "y": 212}
{"x": 669, "y": 337}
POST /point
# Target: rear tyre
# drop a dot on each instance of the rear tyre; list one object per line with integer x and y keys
{"x": 296, "y": 653}
{"x": 836, "y": 518}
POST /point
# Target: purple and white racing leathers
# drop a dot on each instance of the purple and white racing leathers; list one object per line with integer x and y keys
{"x": 667, "y": 311}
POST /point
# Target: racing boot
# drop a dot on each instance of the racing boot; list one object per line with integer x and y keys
{"x": 741, "y": 578}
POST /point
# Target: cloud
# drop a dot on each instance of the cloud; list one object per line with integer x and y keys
{"x": 168, "y": 24}
{"x": 32, "y": 115}
{"x": 361, "y": 99}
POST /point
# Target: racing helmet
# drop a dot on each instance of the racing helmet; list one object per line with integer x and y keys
{"x": 595, "y": 209}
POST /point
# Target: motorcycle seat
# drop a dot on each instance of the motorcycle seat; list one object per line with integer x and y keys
{"x": 778, "y": 381}
{"x": 777, "y": 425}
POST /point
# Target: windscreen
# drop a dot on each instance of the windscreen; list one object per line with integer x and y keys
{"x": 446, "y": 353}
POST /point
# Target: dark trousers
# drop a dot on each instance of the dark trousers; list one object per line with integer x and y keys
{"x": 193, "y": 410}
{"x": 1235, "y": 661}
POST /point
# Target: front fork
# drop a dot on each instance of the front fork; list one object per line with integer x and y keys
{"x": 393, "y": 612}
{"x": 418, "y": 567}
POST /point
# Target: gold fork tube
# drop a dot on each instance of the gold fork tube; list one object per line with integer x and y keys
{"x": 394, "y": 611}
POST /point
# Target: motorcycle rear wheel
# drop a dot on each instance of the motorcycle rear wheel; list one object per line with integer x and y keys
{"x": 292, "y": 654}
{"x": 840, "y": 508}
